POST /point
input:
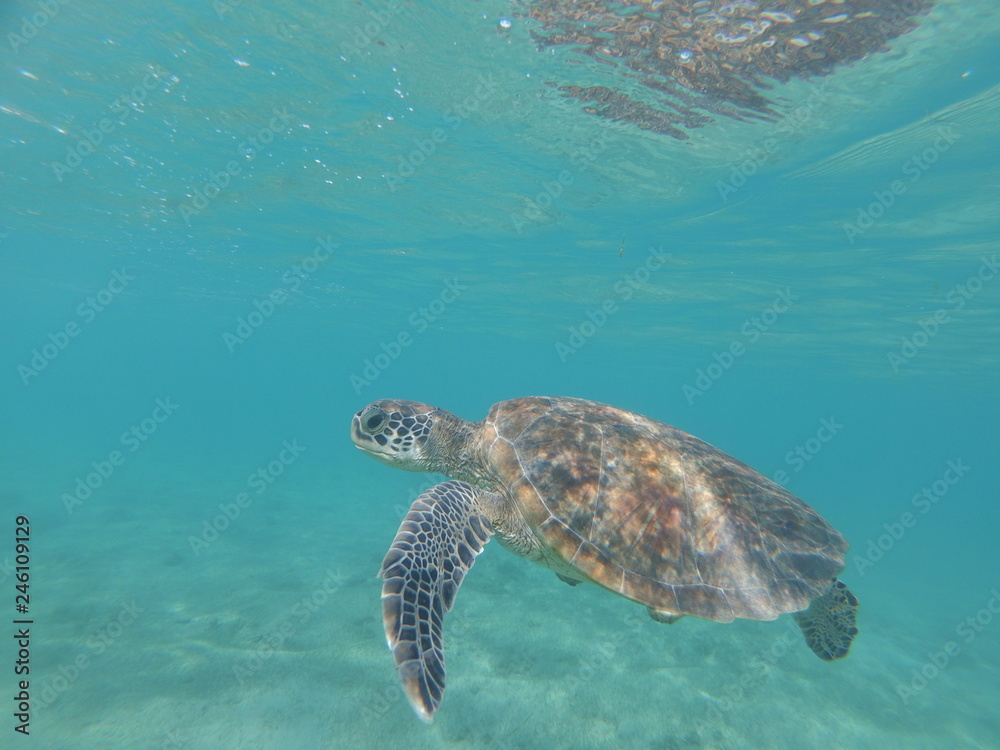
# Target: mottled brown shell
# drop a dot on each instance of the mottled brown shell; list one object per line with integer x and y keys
{"x": 656, "y": 515}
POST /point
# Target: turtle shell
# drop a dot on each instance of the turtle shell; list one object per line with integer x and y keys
{"x": 657, "y": 515}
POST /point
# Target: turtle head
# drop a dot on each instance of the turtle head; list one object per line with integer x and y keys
{"x": 398, "y": 433}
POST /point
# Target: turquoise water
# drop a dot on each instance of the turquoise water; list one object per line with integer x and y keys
{"x": 191, "y": 318}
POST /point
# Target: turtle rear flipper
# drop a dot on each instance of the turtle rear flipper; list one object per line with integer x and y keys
{"x": 433, "y": 550}
{"x": 830, "y": 623}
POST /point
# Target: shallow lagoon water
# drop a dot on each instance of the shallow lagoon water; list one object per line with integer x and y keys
{"x": 181, "y": 372}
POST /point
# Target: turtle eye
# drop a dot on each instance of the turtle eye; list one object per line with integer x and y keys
{"x": 376, "y": 421}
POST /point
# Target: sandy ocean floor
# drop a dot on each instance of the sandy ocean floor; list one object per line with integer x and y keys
{"x": 271, "y": 637}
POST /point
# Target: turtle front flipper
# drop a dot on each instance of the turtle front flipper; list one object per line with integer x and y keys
{"x": 434, "y": 548}
{"x": 830, "y": 623}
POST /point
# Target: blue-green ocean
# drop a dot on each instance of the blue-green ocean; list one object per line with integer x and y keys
{"x": 227, "y": 226}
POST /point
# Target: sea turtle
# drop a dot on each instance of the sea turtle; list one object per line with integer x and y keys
{"x": 600, "y": 495}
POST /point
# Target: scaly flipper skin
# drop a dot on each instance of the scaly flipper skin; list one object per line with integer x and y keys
{"x": 434, "y": 548}
{"x": 830, "y": 623}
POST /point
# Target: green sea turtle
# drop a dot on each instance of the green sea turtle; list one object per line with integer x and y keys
{"x": 599, "y": 495}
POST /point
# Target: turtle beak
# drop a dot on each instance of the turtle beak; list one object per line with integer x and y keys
{"x": 370, "y": 452}
{"x": 357, "y": 436}
{"x": 365, "y": 443}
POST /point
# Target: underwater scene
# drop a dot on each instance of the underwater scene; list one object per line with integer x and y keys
{"x": 504, "y": 374}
